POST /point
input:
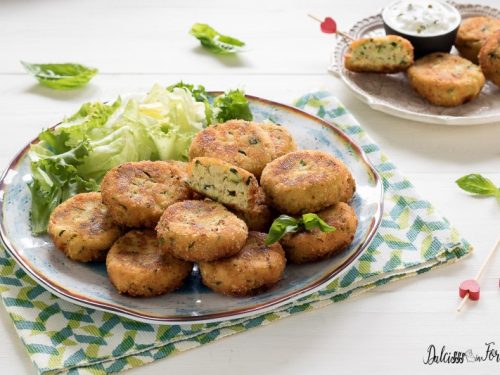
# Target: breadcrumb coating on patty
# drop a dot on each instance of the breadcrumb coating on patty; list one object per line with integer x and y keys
{"x": 383, "y": 54}
{"x": 137, "y": 193}
{"x": 138, "y": 267}
{"x": 446, "y": 80}
{"x": 306, "y": 181}
{"x": 241, "y": 143}
{"x": 201, "y": 231}
{"x": 82, "y": 228}
{"x": 315, "y": 245}
{"x": 254, "y": 269}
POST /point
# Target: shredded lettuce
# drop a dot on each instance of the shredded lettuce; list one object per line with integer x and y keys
{"x": 200, "y": 95}
{"x": 74, "y": 157}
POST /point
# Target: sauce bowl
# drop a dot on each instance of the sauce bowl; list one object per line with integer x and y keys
{"x": 425, "y": 34}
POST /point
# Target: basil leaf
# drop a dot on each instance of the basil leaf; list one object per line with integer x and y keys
{"x": 477, "y": 184}
{"x": 214, "y": 41}
{"x": 312, "y": 221}
{"x": 281, "y": 226}
{"x": 287, "y": 224}
{"x": 61, "y": 76}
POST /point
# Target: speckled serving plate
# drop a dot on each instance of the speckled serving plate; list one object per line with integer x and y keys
{"x": 88, "y": 284}
{"x": 393, "y": 94}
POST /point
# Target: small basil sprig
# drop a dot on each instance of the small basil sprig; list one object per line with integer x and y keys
{"x": 214, "y": 41}
{"x": 61, "y": 76}
{"x": 287, "y": 224}
{"x": 479, "y": 185}
{"x": 232, "y": 105}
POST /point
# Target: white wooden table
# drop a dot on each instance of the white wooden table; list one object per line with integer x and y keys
{"x": 137, "y": 43}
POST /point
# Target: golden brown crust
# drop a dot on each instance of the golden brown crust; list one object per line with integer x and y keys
{"x": 137, "y": 193}
{"x": 138, "y": 267}
{"x": 445, "y": 79}
{"x": 258, "y": 218}
{"x": 282, "y": 139}
{"x": 472, "y": 35}
{"x": 489, "y": 58}
{"x": 254, "y": 269}
{"x": 201, "y": 231}
{"x": 384, "y": 54}
{"x": 237, "y": 142}
{"x": 306, "y": 181}
{"x": 316, "y": 245}
{"x": 224, "y": 183}
{"x": 182, "y": 167}
{"x": 82, "y": 228}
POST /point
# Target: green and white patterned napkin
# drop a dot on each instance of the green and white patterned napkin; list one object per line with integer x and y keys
{"x": 62, "y": 337}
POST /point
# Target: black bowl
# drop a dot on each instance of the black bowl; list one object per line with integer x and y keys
{"x": 423, "y": 45}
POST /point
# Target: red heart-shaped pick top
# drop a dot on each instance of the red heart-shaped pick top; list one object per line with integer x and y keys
{"x": 470, "y": 287}
{"x": 328, "y": 26}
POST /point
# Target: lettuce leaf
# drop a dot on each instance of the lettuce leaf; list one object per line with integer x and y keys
{"x": 228, "y": 106}
{"x": 200, "y": 95}
{"x": 55, "y": 179}
{"x": 74, "y": 157}
{"x": 232, "y": 105}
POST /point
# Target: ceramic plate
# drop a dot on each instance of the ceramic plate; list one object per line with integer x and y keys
{"x": 88, "y": 285}
{"x": 392, "y": 93}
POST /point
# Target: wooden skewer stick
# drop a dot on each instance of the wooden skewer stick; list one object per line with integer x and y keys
{"x": 480, "y": 272}
{"x": 463, "y": 302}
{"x": 341, "y": 33}
{"x": 315, "y": 18}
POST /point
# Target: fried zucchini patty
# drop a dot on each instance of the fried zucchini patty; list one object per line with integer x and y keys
{"x": 306, "y": 181}
{"x": 224, "y": 183}
{"x": 383, "y": 54}
{"x": 472, "y": 35}
{"x": 183, "y": 168}
{"x": 201, "y": 231}
{"x": 445, "y": 79}
{"x": 315, "y": 245}
{"x": 137, "y": 193}
{"x": 258, "y": 218}
{"x": 237, "y": 142}
{"x": 254, "y": 269}
{"x": 138, "y": 267}
{"x": 489, "y": 58}
{"x": 82, "y": 228}
{"x": 282, "y": 140}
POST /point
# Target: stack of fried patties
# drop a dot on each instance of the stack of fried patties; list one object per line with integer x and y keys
{"x": 478, "y": 40}
{"x": 214, "y": 213}
{"x": 211, "y": 215}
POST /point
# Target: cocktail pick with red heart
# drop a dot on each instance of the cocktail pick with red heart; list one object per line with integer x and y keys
{"x": 469, "y": 289}
{"x": 329, "y": 26}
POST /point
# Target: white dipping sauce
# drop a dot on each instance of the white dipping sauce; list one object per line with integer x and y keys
{"x": 421, "y": 18}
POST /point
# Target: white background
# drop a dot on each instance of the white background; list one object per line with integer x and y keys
{"x": 138, "y": 43}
